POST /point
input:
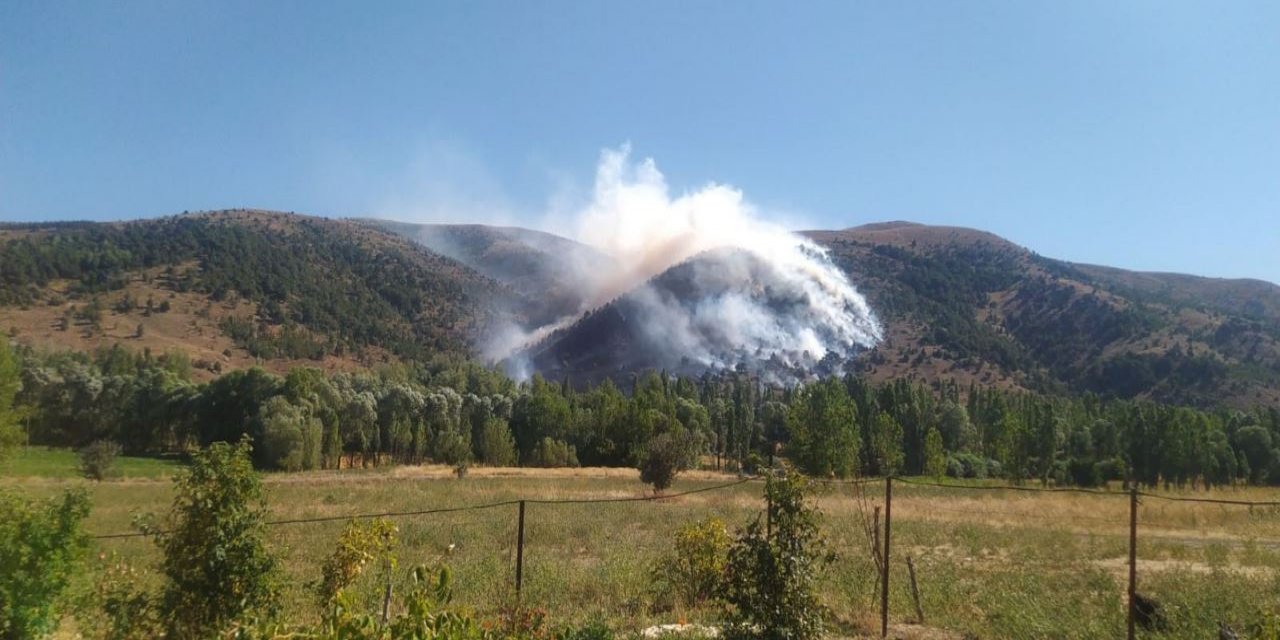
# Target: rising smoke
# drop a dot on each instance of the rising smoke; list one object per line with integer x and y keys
{"x": 744, "y": 290}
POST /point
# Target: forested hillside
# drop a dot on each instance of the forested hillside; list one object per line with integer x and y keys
{"x": 238, "y": 288}
{"x": 544, "y": 268}
{"x": 231, "y": 288}
{"x": 968, "y": 306}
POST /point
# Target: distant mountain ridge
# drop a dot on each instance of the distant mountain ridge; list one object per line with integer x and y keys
{"x": 958, "y": 304}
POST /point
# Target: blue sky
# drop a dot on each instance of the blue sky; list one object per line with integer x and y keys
{"x": 1137, "y": 134}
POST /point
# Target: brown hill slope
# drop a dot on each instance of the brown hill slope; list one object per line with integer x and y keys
{"x": 236, "y": 287}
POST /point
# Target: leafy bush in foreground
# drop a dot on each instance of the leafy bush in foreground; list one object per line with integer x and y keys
{"x": 41, "y": 545}
{"x": 216, "y": 565}
{"x": 771, "y": 580}
{"x": 693, "y": 571}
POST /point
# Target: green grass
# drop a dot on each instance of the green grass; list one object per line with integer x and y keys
{"x": 40, "y": 462}
{"x": 995, "y": 564}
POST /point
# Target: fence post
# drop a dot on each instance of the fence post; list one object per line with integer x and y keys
{"x": 1133, "y": 555}
{"x": 520, "y": 552}
{"x": 875, "y": 540}
{"x": 884, "y": 576}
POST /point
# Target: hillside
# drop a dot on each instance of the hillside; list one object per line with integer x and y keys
{"x": 239, "y": 287}
{"x": 539, "y": 266}
{"x": 968, "y": 305}
{"x": 233, "y": 288}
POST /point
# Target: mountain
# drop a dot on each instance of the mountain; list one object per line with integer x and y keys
{"x": 967, "y": 305}
{"x": 706, "y": 312}
{"x": 235, "y": 288}
{"x": 539, "y": 266}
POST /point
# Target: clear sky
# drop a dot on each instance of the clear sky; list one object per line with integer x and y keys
{"x": 1136, "y": 134}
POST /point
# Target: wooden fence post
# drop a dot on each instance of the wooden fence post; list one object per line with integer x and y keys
{"x": 915, "y": 590}
{"x": 1133, "y": 555}
{"x": 520, "y": 552}
{"x": 884, "y": 576}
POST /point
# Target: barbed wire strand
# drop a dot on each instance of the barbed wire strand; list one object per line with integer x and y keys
{"x": 476, "y": 507}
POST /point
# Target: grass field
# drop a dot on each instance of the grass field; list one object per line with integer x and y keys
{"x": 998, "y": 564}
{"x": 39, "y": 462}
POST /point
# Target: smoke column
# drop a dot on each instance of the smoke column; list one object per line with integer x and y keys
{"x": 770, "y": 294}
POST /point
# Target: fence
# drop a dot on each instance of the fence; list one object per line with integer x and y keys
{"x": 521, "y": 511}
{"x": 1139, "y": 610}
{"x": 880, "y": 536}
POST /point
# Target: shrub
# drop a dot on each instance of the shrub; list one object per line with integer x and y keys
{"x": 215, "y": 564}
{"x": 425, "y": 616}
{"x": 694, "y": 569}
{"x": 968, "y": 465}
{"x": 770, "y": 584}
{"x": 663, "y": 459}
{"x": 497, "y": 447}
{"x": 1084, "y": 473}
{"x": 41, "y": 545}
{"x": 553, "y": 453}
{"x": 119, "y": 607}
{"x": 594, "y": 630}
{"x": 1111, "y": 469}
{"x": 98, "y": 459}
{"x": 360, "y": 544}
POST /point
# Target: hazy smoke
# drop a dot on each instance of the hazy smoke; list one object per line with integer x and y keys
{"x": 763, "y": 293}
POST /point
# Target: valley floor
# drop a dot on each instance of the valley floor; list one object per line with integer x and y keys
{"x": 997, "y": 564}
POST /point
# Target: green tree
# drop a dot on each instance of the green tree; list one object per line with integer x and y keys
{"x": 11, "y": 434}
{"x": 824, "y": 430}
{"x": 215, "y": 562}
{"x": 41, "y": 546}
{"x": 289, "y": 438}
{"x": 771, "y": 579}
{"x": 935, "y": 459}
{"x": 663, "y": 459}
{"x": 497, "y": 447}
{"x": 886, "y": 445}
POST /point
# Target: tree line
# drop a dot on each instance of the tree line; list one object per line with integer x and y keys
{"x": 457, "y": 412}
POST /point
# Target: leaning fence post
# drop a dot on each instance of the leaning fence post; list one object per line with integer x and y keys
{"x": 884, "y": 576}
{"x": 915, "y": 590}
{"x": 1133, "y": 555}
{"x": 520, "y": 551}
{"x": 875, "y": 540}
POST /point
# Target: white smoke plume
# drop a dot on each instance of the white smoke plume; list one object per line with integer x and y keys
{"x": 770, "y": 294}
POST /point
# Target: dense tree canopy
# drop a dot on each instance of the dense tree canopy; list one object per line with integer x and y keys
{"x": 457, "y": 412}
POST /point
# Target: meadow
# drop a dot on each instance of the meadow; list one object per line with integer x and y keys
{"x": 996, "y": 564}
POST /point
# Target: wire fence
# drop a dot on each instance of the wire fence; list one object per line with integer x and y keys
{"x": 1159, "y": 560}
{"x": 604, "y": 544}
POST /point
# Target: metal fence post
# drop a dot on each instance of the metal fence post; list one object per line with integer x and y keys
{"x": 1133, "y": 555}
{"x": 520, "y": 552}
{"x": 884, "y": 576}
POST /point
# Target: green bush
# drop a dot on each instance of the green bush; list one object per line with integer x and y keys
{"x": 216, "y": 566}
{"x": 97, "y": 461}
{"x": 119, "y": 607}
{"x": 552, "y": 453}
{"x": 361, "y": 543}
{"x": 497, "y": 447}
{"x": 770, "y": 585}
{"x": 41, "y": 545}
{"x": 11, "y": 433}
{"x": 693, "y": 571}
{"x": 662, "y": 460}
